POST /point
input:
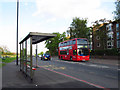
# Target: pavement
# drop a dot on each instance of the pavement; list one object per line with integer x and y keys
{"x": 105, "y": 61}
{"x": 13, "y": 78}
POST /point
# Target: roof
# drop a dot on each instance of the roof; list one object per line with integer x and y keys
{"x": 38, "y": 37}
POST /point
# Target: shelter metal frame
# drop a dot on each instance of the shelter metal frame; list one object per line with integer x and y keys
{"x": 34, "y": 37}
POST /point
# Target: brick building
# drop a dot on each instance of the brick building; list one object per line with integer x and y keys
{"x": 106, "y": 36}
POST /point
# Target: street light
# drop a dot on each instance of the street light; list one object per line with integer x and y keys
{"x": 17, "y": 33}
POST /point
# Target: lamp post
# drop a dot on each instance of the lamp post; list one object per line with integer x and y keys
{"x": 17, "y": 33}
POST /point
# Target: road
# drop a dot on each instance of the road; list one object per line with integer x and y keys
{"x": 97, "y": 75}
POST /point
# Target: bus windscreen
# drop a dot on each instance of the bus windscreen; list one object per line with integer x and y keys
{"x": 83, "y": 52}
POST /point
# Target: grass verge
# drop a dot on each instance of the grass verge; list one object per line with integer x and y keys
{"x": 2, "y": 64}
{"x": 8, "y": 60}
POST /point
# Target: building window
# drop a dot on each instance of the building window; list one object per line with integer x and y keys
{"x": 110, "y": 36}
{"x": 117, "y": 35}
{"x": 117, "y": 27}
{"x": 109, "y": 45}
{"x": 109, "y": 27}
{"x": 98, "y": 44}
{"x": 118, "y": 44}
{"x": 97, "y": 37}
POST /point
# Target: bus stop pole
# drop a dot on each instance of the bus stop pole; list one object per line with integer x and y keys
{"x": 36, "y": 56}
{"x": 26, "y": 56}
{"x": 20, "y": 57}
{"x": 31, "y": 72}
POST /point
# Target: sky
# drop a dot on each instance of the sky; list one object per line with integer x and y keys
{"x": 47, "y": 16}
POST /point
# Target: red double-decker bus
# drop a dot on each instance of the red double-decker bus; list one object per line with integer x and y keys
{"x": 76, "y": 49}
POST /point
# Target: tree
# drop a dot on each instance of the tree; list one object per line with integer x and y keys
{"x": 41, "y": 53}
{"x": 1, "y": 50}
{"x": 47, "y": 52}
{"x": 117, "y": 12}
{"x": 78, "y": 28}
{"x": 101, "y": 32}
{"x": 52, "y": 43}
{"x": 4, "y": 50}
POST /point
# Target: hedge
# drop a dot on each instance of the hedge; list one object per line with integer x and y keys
{"x": 109, "y": 52}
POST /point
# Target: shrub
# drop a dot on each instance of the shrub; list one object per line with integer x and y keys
{"x": 109, "y": 52}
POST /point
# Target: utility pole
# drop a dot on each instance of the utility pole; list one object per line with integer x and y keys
{"x": 17, "y": 33}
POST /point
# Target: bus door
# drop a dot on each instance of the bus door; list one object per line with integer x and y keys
{"x": 68, "y": 55}
{"x": 74, "y": 54}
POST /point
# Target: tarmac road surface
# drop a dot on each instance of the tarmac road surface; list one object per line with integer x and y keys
{"x": 62, "y": 74}
{"x": 95, "y": 74}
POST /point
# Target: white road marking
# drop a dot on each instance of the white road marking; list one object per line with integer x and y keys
{"x": 92, "y": 72}
{"x": 118, "y": 69}
{"x": 104, "y": 66}
{"x": 110, "y": 76}
{"x": 82, "y": 63}
{"x": 91, "y": 65}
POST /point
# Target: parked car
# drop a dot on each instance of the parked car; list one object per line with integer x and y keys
{"x": 45, "y": 57}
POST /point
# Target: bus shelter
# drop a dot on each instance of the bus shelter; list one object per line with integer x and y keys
{"x": 26, "y": 57}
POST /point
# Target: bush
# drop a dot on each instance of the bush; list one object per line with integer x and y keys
{"x": 109, "y": 52}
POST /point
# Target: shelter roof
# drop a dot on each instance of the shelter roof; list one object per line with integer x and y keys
{"x": 38, "y": 37}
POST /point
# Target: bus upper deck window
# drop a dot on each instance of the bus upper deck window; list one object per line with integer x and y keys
{"x": 65, "y": 43}
{"x": 59, "y": 44}
{"x": 68, "y": 43}
{"x": 73, "y": 42}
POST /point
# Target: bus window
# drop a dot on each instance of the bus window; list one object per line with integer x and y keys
{"x": 73, "y": 42}
{"x": 59, "y": 44}
{"x": 67, "y": 51}
{"x": 65, "y": 43}
{"x": 63, "y": 52}
{"x": 82, "y": 41}
{"x": 68, "y": 43}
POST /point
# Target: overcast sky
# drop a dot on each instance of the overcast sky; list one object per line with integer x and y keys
{"x": 47, "y": 16}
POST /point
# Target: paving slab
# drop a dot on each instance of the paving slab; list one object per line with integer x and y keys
{"x": 12, "y": 77}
